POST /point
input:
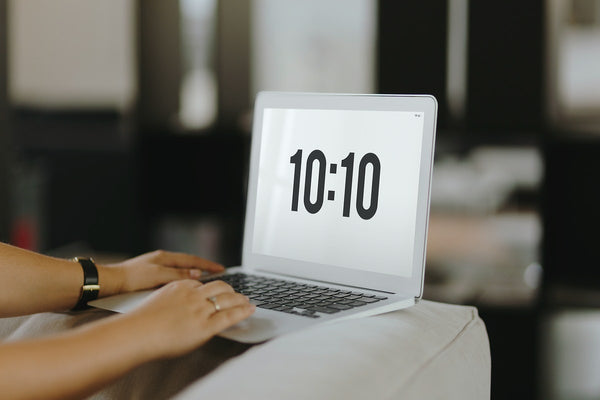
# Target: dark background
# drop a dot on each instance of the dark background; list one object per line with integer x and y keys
{"x": 110, "y": 187}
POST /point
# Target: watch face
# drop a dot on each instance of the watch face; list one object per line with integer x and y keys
{"x": 339, "y": 187}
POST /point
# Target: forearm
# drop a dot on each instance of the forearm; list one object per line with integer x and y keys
{"x": 75, "y": 364}
{"x": 32, "y": 282}
{"x": 171, "y": 322}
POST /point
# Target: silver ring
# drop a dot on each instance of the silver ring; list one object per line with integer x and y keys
{"x": 213, "y": 299}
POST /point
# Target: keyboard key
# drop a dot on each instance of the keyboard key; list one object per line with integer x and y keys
{"x": 257, "y": 303}
{"x": 369, "y": 300}
{"x": 261, "y": 286}
{"x": 356, "y": 303}
{"x": 311, "y": 301}
{"x": 312, "y": 296}
{"x": 340, "y": 306}
{"x": 341, "y": 295}
{"x": 292, "y": 304}
{"x": 269, "y": 306}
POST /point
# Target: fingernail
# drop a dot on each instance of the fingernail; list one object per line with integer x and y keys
{"x": 195, "y": 273}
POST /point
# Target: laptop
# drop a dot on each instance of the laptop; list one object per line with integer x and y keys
{"x": 337, "y": 211}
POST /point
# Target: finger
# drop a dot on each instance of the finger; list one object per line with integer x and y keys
{"x": 168, "y": 274}
{"x": 178, "y": 286}
{"x": 182, "y": 260}
{"x": 215, "y": 288}
{"x": 227, "y": 300}
{"x": 226, "y": 318}
{"x": 185, "y": 283}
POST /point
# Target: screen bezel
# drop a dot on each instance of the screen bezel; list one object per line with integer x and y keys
{"x": 412, "y": 285}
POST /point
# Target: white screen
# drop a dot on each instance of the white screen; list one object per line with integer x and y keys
{"x": 376, "y": 234}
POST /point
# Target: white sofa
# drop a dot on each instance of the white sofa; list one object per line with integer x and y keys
{"x": 429, "y": 351}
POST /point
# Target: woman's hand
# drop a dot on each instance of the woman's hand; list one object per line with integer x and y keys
{"x": 175, "y": 319}
{"x": 151, "y": 270}
{"x": 179, "y": 317}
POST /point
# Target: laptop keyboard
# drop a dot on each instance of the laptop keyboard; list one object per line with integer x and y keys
{"x": 295, "y": 298}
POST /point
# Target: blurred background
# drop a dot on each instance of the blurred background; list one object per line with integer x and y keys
{"x": 125, "y": 126}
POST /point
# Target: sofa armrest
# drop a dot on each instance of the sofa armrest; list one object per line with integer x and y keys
{"x": 429, "y": 351}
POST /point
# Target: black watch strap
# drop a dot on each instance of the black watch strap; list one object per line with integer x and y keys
{"x": 91, "y": 287}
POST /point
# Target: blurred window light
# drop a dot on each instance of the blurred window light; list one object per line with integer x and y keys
{"x": 574, "y": 62}
{"x": 484, "y": 181}
{"x": 484, "y": 229}
{"x": 75, "y": 54}
{"x": 571, "y": 355}
{"x": 456, "y": 72}
{"x": 313, "y": 45}
{"x": 198, "y": 96}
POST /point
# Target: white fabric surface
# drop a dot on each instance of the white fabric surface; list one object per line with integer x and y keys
{"x": 429, "y": 351}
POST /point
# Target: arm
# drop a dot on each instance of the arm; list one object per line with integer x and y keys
{"x": 174, "y": 320}
{"x": 31, "y": 282}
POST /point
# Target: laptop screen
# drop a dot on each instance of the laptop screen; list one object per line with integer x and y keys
{"x": 339, "y": 187}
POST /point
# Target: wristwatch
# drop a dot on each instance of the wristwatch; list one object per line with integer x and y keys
{"x": 91, "y": 287}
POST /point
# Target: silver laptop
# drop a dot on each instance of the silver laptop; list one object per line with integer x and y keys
{"x": 337, "y": 210}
